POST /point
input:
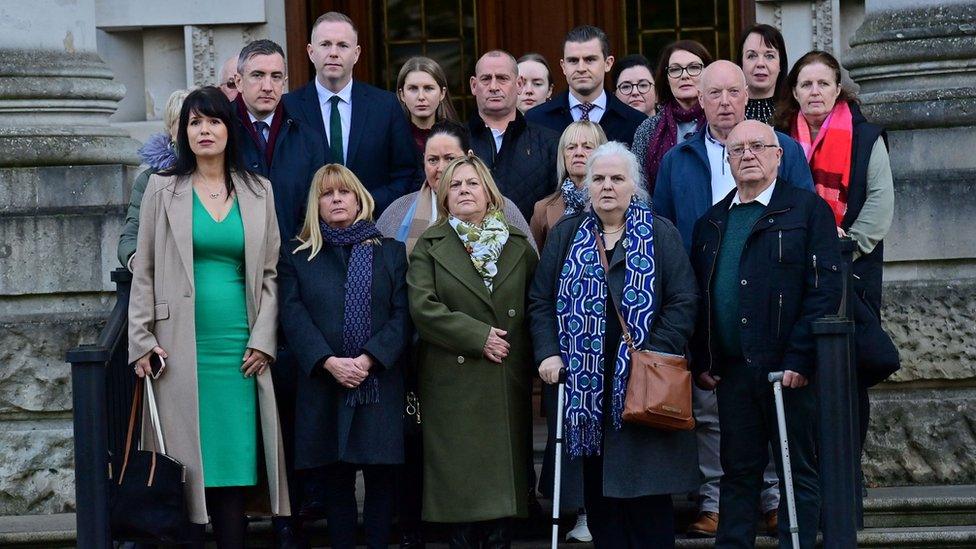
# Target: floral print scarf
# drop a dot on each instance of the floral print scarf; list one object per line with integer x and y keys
{"x": 483, "y": 243}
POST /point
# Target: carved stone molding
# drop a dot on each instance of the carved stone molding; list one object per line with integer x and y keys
{"x": 204, "y": 57}
{"x": 823, "y": 25}
{"x": 778, "y": 15}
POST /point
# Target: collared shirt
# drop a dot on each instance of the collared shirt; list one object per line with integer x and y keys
{"x": 763, "y": 198}
{"x": 718, "y": 164}
{"x": 596, "y": 113}
{"x": 267, "y": 120}
{"x": 345, "y": 112}
{"x": 499, "y": 136}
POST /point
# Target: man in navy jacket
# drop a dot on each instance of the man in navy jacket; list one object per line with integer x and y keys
{"x": 586, "y": 62}
{"x": 363, "y": 127}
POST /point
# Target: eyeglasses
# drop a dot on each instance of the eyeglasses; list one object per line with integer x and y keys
{"x": 736, "y": 151}
{"x": 643, "y": 86}
{"x": 693, "y": 69}
{"x": 257, "y": 77}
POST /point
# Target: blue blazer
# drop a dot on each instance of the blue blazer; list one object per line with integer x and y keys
{"x": 683, "y": 192}
{"x": 381, "y": 150}
{"x": 619, "y": 122}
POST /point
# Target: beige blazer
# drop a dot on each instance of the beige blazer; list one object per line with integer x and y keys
{"x": 161, "y": 312}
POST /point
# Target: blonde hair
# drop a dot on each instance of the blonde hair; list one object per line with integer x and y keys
{"x": 171, "y": 114}
{"x": 495, "y": 199}
{"x": 574, "y": 130}
{"x": 330, "y": 176}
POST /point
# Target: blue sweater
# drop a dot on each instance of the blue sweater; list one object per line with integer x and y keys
{"x": 683, "y": 192}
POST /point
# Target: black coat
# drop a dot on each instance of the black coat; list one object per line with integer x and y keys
{"x": 790, "y": 276}
{"x": 296, "y": 154}
{"x": 525, "y": 167}
{"x": 638, "y": 460}
{"x": 619, "y": 122}
{"x": 381, "y": 150}
{"x": 311, "y": 297}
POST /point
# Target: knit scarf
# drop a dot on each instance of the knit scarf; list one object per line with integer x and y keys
{"x": 582, "y": 317}
{"x": 830, "y": 155}
{"x": 484, "y": 244}
{"x": 575, "y": 198}
{"x": 665, "y": 134}
{"x": 356, "y": 324}
{"x": 417, "y": 219}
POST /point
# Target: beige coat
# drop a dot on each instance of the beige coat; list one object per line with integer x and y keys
{"x": 161, "y": 312}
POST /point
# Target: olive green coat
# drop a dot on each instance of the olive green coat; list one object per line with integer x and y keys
{"x": 476, "y": 413}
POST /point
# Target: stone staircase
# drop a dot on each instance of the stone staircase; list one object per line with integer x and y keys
{"x": 919, "y": 517}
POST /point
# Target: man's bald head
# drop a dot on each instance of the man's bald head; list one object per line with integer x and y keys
{"x": 497, "y": 55}
{"x": 754, "y": 154}
{"x": 723, "y": 94}
{"x": 227, "y": 72}
{"x": 752, "y": 129}
{"x": 496, "y": 85}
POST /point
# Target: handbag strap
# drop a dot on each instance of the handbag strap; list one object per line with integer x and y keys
{"x": 606, "y": 269}
{"x": 136, "y": 404}
{"x": 154, "y": 417}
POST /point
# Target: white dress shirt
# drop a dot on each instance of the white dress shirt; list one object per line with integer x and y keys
{"x": 718, "y": 165}
{"x": 763, "y": 198}
{"x": 345, "y": 112}
{"x": 596, "y": 113}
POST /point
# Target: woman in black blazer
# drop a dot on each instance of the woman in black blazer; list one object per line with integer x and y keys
{"x": 344, "y": 313}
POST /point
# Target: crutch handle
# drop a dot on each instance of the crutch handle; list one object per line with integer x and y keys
{"x": 562, "y": 375}
{"x": 775, "y": 376}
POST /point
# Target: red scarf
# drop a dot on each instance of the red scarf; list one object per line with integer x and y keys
{"x": 829, "y": 156}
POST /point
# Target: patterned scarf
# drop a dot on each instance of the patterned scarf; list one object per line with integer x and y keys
{"x": 484, "y": 244}
{"x": 575, "y": 198}
{"x": 417, "y": 219}
{"x": 830, "y": 155}
{"x": 666, "y": 134}
{"x": 356, "y": 324}
{"x": 582, "y": 319}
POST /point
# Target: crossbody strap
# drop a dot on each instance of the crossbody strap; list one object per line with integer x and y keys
{"x": 606, "y": 270}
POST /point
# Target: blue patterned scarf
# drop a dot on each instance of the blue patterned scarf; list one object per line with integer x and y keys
{"x": 575, "y": 198}
{"x": 582, "y": 318}
{"x": 356, "y": 324}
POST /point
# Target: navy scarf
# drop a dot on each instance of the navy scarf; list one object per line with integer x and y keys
{"x": 356, "y": 324}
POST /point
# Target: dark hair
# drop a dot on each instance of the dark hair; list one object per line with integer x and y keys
{"x": 585, "y": 33}
{"x": 788, "y": 106}
{"x": 209, "y": 101}
{"x": 453, "y": 129}
{"x": 334, "y": 17}
{"x": 630, "y": 61}
{"x": 538, "y": 58}
{"x": 771, "y": 38}
{"x": 661, "y": 84}
{"x": 257, "y": 47}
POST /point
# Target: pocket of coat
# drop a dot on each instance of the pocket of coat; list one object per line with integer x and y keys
{"x": 788, "y": 244}
{"x": 161, "y": 311}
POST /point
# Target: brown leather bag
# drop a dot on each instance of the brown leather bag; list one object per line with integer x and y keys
{"x": 659, "y": 388}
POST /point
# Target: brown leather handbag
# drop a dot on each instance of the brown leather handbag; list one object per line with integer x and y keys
{"x": 659, "y": 388}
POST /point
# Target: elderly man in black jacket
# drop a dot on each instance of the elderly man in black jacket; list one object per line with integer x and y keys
{"x": 521, "y": 155}
{"x": 768, "y": 264}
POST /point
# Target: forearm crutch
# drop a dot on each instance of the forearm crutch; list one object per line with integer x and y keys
{"x": 776, "y": 378}
{"x": 558, "y": 457}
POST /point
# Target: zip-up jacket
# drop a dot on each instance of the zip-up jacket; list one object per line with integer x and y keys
{"x": 789, "y": 276}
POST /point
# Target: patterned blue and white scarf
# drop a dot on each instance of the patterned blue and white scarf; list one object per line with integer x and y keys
{"x": 356, "y": 322}
{"x": 582, "y": 317}
{"x": 576, "y": 198}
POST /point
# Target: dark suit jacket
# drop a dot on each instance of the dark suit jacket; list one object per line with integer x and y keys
{"x": 381, "y": 150}
{"x": 312, "y": 294}
{"x": 294, "y": 154}
{"x": 619, "y": 122}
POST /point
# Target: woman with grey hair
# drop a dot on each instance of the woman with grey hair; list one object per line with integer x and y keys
{"x": 629, "y": 470}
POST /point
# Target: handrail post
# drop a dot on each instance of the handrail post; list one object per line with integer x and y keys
{"x": 840, "y": 494}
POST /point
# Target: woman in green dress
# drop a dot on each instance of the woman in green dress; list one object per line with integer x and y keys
{"x": 203, "y": 298}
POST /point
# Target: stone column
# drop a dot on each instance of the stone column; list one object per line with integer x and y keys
{"x": 915, "y": 61}
{"x": 63, "y": 188}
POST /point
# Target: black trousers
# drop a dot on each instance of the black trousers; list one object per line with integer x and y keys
{"x": 747, "y": 413}
{"x": 645, "y": 522}
{"x": 284, "y": 374}
{"x": 335, "y": 484}
{"x": 410, "y": 484}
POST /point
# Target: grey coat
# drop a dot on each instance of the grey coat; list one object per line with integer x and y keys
{"x": 638, "y": 460}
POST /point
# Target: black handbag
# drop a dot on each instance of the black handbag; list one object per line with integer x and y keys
{"x": 146, "y": 500}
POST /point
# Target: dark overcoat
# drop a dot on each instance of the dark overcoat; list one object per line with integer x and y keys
{"x": 476, "y": 413}
{"x": 312, "y": 301}
{"x": 637, "y": 460}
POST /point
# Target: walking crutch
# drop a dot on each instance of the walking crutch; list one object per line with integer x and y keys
{"x": 776, "y": 378}
{"x": 558, "y": 457}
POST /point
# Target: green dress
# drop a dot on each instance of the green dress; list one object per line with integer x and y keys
{"x": 228, "y": 400}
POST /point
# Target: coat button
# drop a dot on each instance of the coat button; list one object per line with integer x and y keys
{"x": 460, "y": 360}
{"x": 770, "y": 219}
{"x": 749, "y": 361}
{"x": 744, "y": 321}
{"x": 743, "y": 282}
{"x": 511, "y": 313}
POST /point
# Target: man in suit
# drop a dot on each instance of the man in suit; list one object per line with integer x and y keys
{"x": 586, "y": 62}
{"x": 520, "y": 154}
{"x": 288, "y": 153}
{"x": 364, "y": 127}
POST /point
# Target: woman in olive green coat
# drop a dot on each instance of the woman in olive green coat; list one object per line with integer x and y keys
{"x": 467, "y": 284}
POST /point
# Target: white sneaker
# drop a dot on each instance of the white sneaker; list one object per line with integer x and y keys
{"x": 580, "y": 532}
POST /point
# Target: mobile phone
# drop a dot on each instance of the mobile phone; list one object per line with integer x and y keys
{"x": 156, "y": 363}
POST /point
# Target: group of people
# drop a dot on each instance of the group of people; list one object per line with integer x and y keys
{"x": 343, "y": 279}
